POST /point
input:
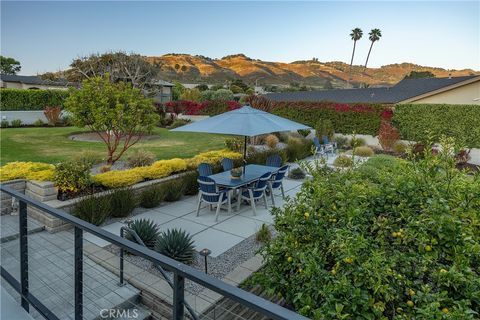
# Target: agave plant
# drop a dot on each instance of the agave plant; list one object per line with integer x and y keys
{"x": 176, "y": 244}
{"x": 146, "y": 229}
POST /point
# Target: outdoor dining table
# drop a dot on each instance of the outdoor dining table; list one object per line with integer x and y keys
{"x": 251, "y": 174}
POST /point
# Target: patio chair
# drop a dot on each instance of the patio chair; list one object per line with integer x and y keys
{"x": 329, "y": 146}
{"x": 319, "y": 149}
{"x": 255, "y": 192}
{"x": 205, "y": 169}
{"x": 227, "y": 164}
{"x": 274, "y": 160}
{"x": 210, "y": 194}
{"x": 277, "y": 182}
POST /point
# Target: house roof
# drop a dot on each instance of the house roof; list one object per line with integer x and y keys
{"x": 34, "y": 80}
{"x": 163, "y": 83}
{"x": 405, "y": 89}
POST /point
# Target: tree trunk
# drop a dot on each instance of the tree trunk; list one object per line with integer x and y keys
{"x": 368, "y": 56}
{"x": 351, "y": 61}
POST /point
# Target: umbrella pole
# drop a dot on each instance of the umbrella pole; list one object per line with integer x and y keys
{"x": 244, "y": 154}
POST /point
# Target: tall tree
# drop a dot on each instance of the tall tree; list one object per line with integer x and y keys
{"x": 9, "y": 65}
{"x": 374, "y": 36}
{"x": 356, "y": 35}
{"x": 120, "y": 66}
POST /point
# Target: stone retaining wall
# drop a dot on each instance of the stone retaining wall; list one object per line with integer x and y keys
{"x": 46, "y": 192}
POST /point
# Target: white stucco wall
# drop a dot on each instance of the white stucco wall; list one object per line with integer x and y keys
{"x": 27, "y": 117}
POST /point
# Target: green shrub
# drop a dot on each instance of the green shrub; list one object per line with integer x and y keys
{"x": 222, "y": 95}
{"x": 152, "y": 197}
{"x": 71, "y": 177}
{"x": 16, "y": 123}
{"x": 363, "y": 151}
{"x": 190, "y": 183}
{"x": 38, "y": 123}
{"x": 88, "y": 158}
{"x": 378, "y": 165}
{"x": 400, "y": 147}
{"x": 357, "y": 142}
{"x": 141, "y": 158}
{"x": 341, "y": 141}
{"x": 260, "y": 157}
{"x": 304, "y": 132}
{"x": 176, "y": 244}
{"x": 4, "y": 123}
{"x": 95, "y": 210}
{"x": 123, "y": 202}
{"x": 20, "y": 99}
{"x": 234, "y": 144}
{"x": 147, "y": 231}
{"x": 405, "y": 247}
{"x": 418, "y": 122}
{"x": 173, "y": 190}
{"x": 296, "y": 174}
{"x": 324, "y": 127}
{"x": 263, "y": 234}
{"x": 298, "y": 149}
{"x": 178, "y": 123}
{"x": 343, "y": 161}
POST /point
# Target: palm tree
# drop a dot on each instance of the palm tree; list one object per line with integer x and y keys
{"x": 374, "y": 35}
{"x": 356, "y": 35}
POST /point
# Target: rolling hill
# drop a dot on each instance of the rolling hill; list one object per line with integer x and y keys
{"x": 198, "y": 69}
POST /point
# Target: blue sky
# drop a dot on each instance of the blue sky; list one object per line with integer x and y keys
{"x": 46, "y": 36}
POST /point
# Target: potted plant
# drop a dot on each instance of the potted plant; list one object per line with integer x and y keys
{"x": 236, "y": 173}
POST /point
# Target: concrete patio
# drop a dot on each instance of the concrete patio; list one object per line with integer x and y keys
{"x": 218, "y": 236}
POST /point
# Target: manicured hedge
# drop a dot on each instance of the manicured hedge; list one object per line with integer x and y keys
{"x": 417, "y": 121}
{"x": 27, "y": 100}
{"x": 347, "y": 119}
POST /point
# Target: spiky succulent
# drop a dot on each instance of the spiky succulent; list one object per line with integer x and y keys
{"x": 176, "y": 244}
{"x": 146, "y": 229}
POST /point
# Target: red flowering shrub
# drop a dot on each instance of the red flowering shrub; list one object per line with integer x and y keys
{"x": 387, "y": 135}
{"x": 233, "y": 105}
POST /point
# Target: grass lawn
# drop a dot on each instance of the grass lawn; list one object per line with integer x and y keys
{"x": 52, "y": 145}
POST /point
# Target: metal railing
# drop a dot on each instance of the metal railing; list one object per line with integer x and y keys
{"x": 180, "y": 271}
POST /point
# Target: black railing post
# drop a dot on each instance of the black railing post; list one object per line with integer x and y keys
{"x": 178, "y": 296}
{"x": 121, "y": 259}
{"x": 22, "y": 215}
{"x": 78, "y": 256}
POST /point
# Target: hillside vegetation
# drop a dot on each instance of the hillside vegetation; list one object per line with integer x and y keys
{"x": 196, "y": 68}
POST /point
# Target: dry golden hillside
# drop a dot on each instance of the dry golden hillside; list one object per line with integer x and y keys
{"x": 189, "y": 68}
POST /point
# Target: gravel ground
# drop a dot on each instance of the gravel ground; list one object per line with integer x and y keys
{"x": 218, "y": 267}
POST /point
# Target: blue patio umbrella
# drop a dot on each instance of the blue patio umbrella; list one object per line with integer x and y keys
{"x": 245, "y": 121}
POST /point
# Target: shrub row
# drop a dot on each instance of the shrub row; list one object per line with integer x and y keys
{"x": 347, "y": 119}
{"x": 27, "y": 100}
{"x": 27, "y": 170}
{"x": 417, "y": 121}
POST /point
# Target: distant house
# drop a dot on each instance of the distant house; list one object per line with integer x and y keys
{"x": 165, "y": 93}
{"x": 457, "y": 90}
{"x": 31, "y": 82}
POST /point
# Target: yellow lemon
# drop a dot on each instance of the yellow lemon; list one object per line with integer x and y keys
{"x": 428, "y": 248}
{"x": 443, "y": 271}
{"x": 445, "y": 310}
{"x": 394, "y": 234}
{"x": 334, "y": 272}
{"x": 306, "y": 215}
{"x": 411, "y": 292}
{"x": 410, "y": 303}
{"x": 289, "y": 259}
